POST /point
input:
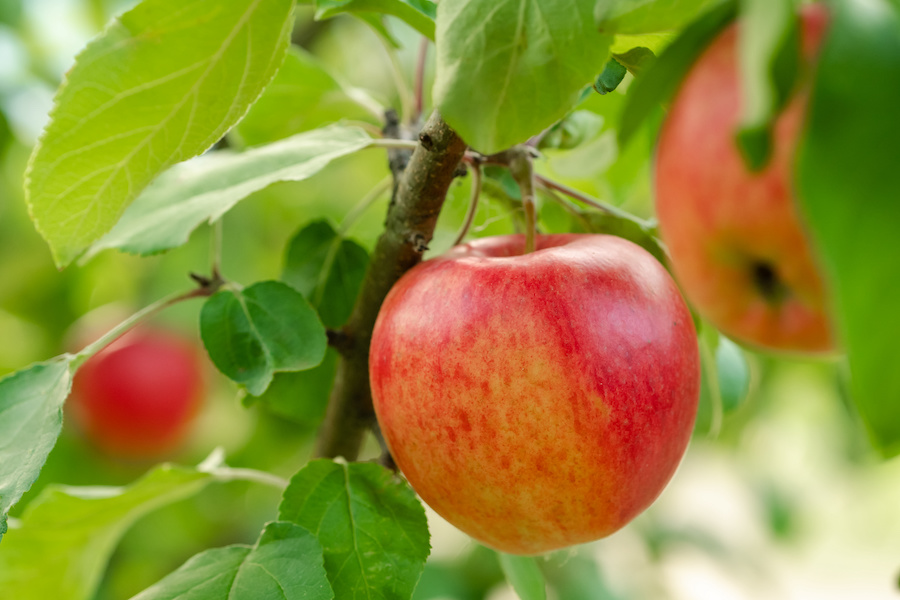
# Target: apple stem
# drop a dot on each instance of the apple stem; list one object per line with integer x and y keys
{"x": 215, "y": 249}
{"x": 567, "y": 205}
{"x": 473, "y": 200}
{"x": 419, "y": 89}
{"x": 397, "y": 73}
{"x": 234, "y": 474}
{"x": 208, "y": 286}
{"x": 590, "y": 200}
{"x": 522, "y": 170}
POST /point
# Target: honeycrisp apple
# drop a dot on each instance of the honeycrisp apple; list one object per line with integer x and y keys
{"x": 536, "y": 400}
{"x": 736, "y": 240}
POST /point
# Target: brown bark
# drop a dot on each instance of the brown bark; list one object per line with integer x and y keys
{"x": 409, "y": 227}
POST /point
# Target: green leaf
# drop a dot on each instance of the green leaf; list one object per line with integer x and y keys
{"x": 207, "y": 187}
{"x": 849, "y": 181}
{"x": 67, "y": 534}
{"x": 284, "y": 564}
{"x": 31, "y": 402}
{"x": 647, "y": 16}
{"x": 267, "y": 327}
{"x": 303, "y": 96}
{"x": 664, "y": 76}
{"x": 612, "y": 75}
{"x": 524, "y": 575}
{"x": 418, "y": 14}
{"x": 508, "y": 69}
{"x": 301, "y": 396}
{"x": 160, "y": 85}
{"x": 369, "y": 522}
{"x": 768, "y": 53}
{"x": 327, "y": 269}
{"x": 725, "y": 379}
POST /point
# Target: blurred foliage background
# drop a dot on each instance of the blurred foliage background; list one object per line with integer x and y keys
{"x": 781, "y": 498}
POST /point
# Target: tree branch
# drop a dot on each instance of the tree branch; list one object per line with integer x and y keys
{"x": 409, "y": 227}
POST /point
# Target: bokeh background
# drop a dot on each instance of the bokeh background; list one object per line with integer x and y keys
{"x": 780, "y": 498}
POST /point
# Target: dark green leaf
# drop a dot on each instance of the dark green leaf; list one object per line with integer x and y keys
{"x": 768, "y": 51}
{"x": 284, "y": 564}
{"x": 508, "y": 69}
{"x": 849, "y": 182}
{"x": 160, "y": 85}
{"x": 303, "y": 96}
{"x": 326, "y": 269}
{"x": 647, "y": 16}
{"x": 524, "y": 575}
{"x": 301, "y": 396}
{"x": 664, "y": 76}
{"x": 637, "y": 60}
{"x": 207, "y": 187}
{"x": 31, "y": 402}
{"x": 67, "y": 534}
{"x": 267, "y": 327}
{"x": 612, "y": 75}
{"x": 418, "y": 14}
{"x": 370, "y": 524}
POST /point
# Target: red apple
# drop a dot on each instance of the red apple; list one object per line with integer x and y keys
{"x": 737, "y": 243}
{"x": 137, "y": 397}
{"x": 536, "y": 400}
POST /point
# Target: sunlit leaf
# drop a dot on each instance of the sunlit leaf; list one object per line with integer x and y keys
{"x": 418, "y": 14}
{"x": 204, "y": 189}
{"x": 31, "y": 402}
{"x": 67, "y": 534}
{"x": 160, "y": 85}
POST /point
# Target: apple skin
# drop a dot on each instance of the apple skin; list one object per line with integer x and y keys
{"x": 537, "y": 400}
{"x": 136, "y": 398}
{"x": 737, "y": 244}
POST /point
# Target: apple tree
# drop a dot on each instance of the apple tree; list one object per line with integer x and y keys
{"x": 765, "y": 133}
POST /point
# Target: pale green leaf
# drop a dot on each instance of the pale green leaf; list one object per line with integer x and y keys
{"x": 67, "y": 534}
{"x": 418, "y": 14}
{"x": 204, "y": 189}
{"x": 647, "y": 16}
{"x": 254, "y": 332}
{"x": 160, "y": 85}
{"x": 768, "y": 53}
{"x": 369, "y": 522}
{"x": 303, "y": 96}
{"x": 284, "y": 564}
{"x": 31, "y": 402}
{"x": 524, "y": 575}
{"x": 508, "y": 69}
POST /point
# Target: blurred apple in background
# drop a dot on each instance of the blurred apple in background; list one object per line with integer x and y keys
{"x": 137, "y": 398}
{"x": 737, "y": 244}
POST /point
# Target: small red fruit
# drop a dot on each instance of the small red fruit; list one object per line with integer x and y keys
{"x": 737, "y": 244}
{"x": 137, "y": 397}
{"x": 536, "y": 400}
